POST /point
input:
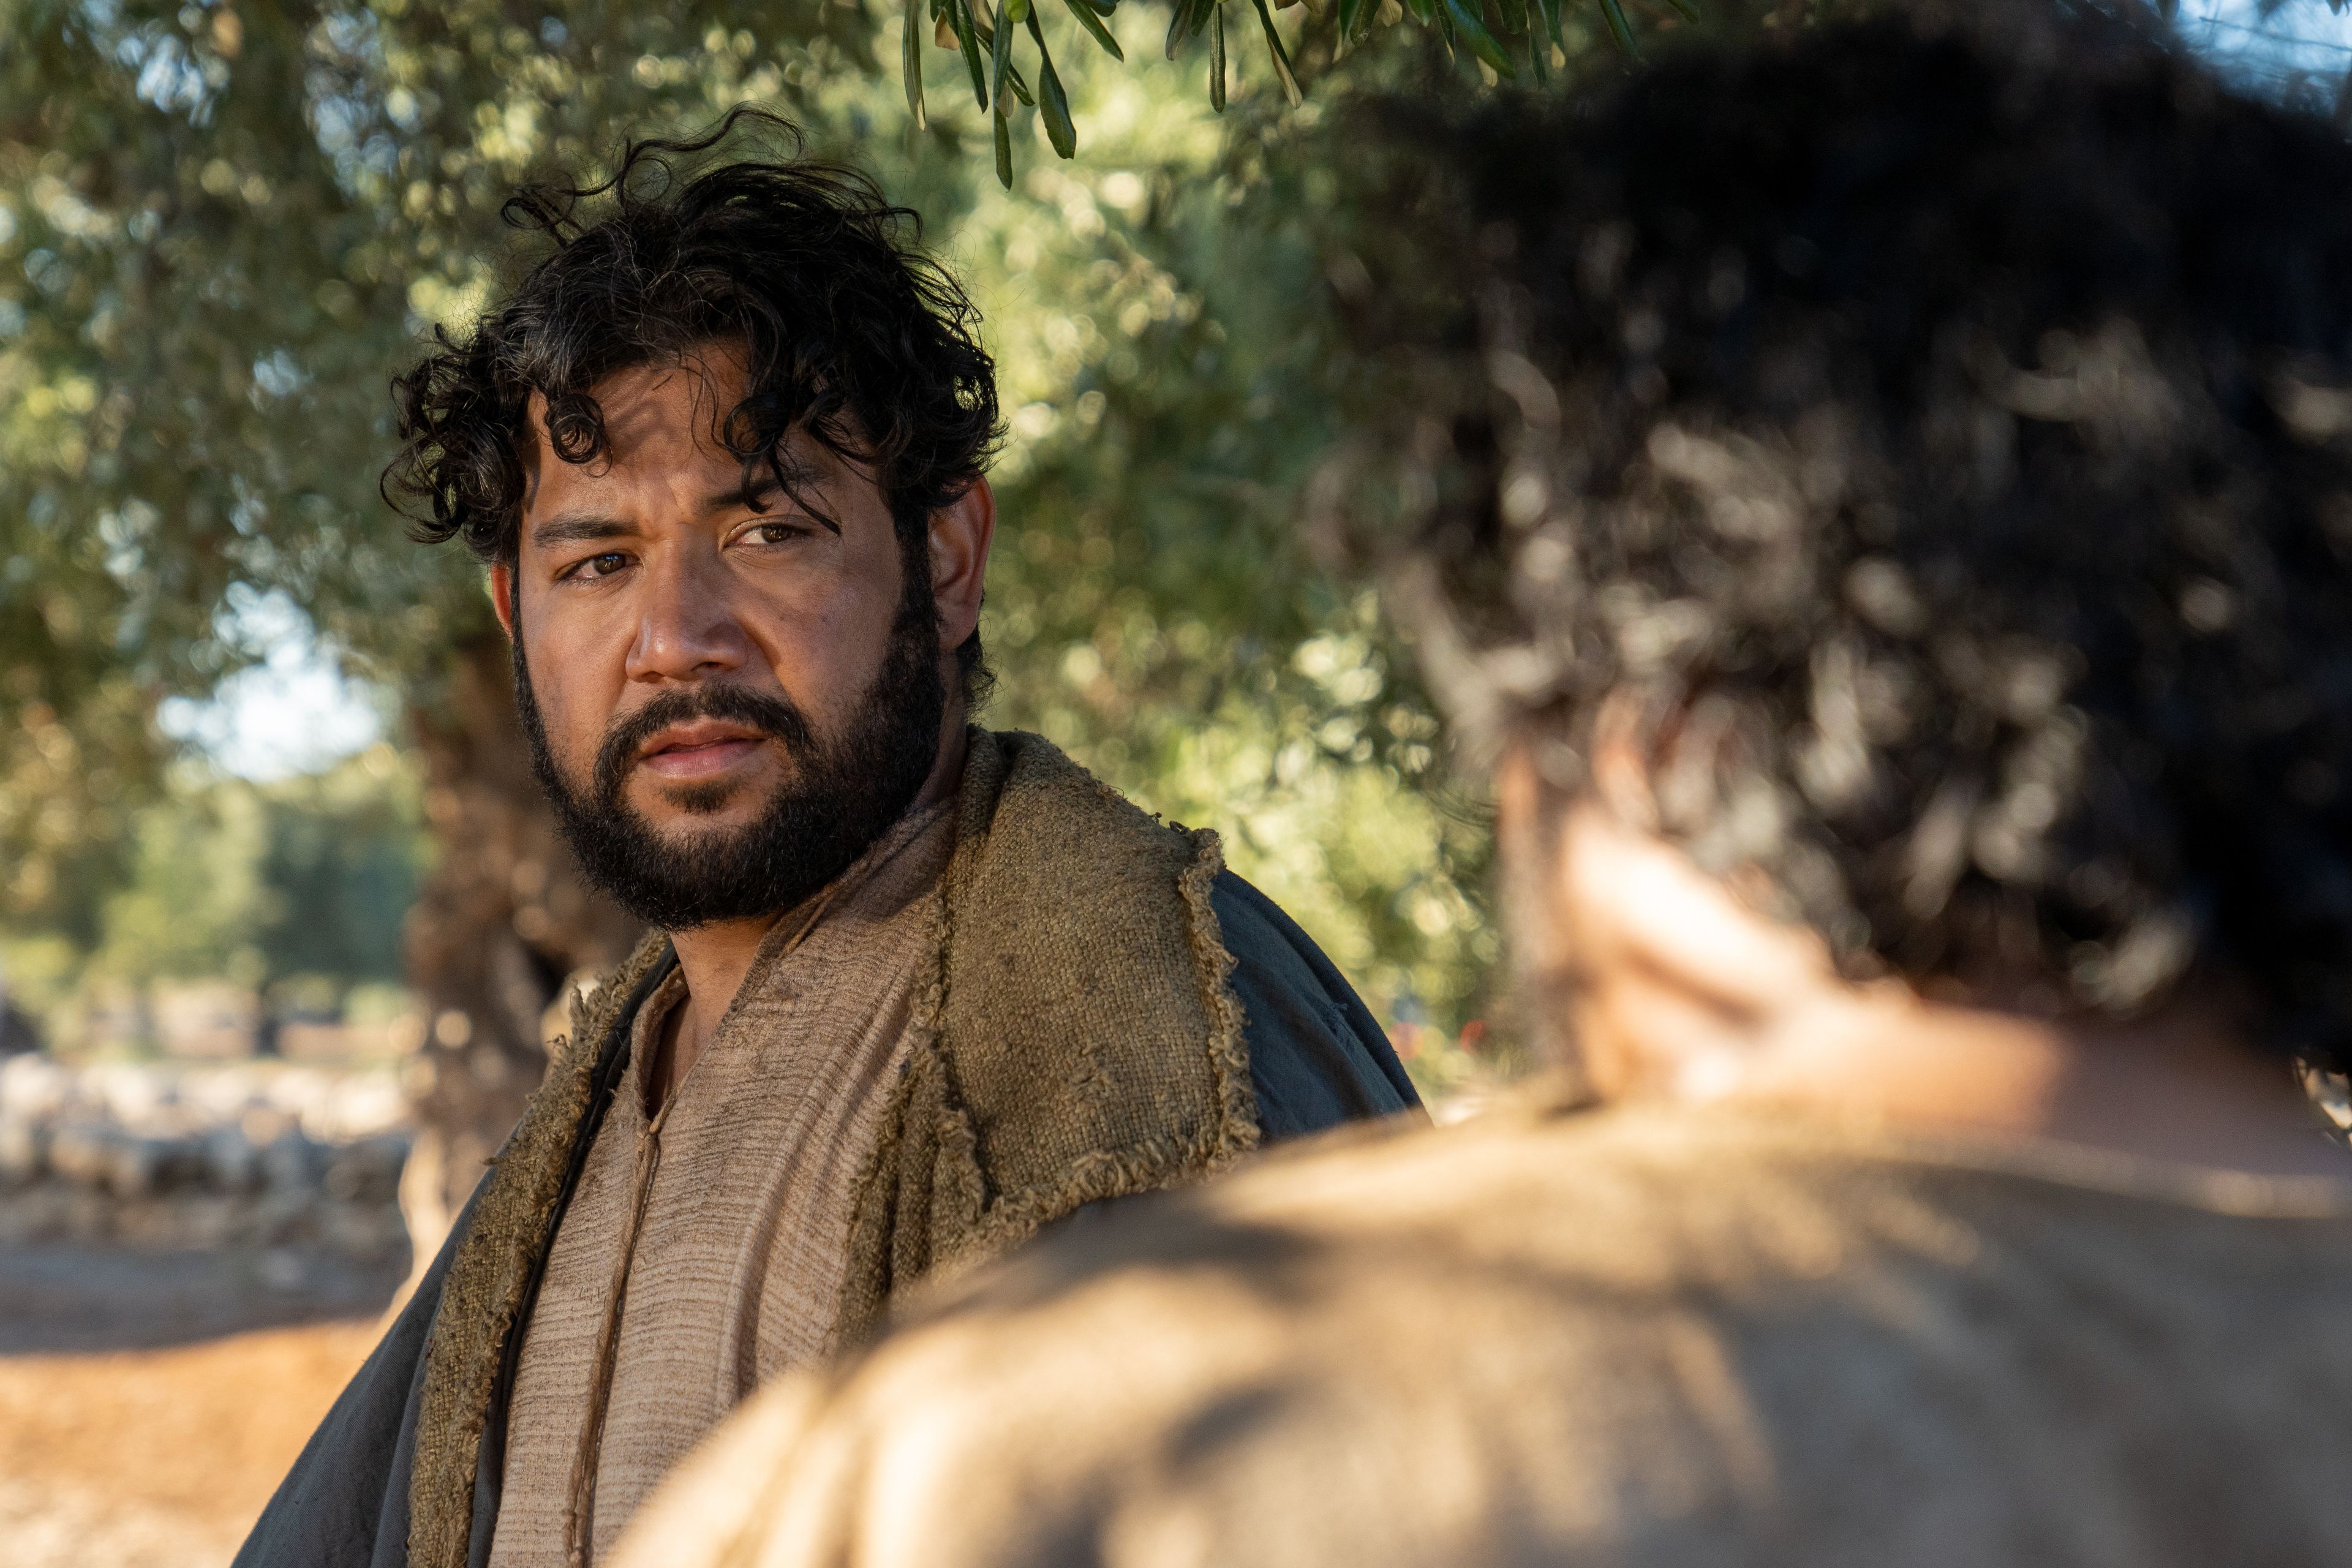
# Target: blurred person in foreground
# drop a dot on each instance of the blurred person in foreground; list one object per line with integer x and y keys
{"x": 914, "y": 988}
{"x": 1886, "y": 502}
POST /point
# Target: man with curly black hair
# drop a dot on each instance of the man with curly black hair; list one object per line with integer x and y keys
{"x": 914, "y": 989}
{"x": 1886, "y": 502}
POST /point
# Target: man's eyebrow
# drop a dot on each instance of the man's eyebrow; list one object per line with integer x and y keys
{"x": 578, "y": 528}
{"x": 758, "y": 494}
{"x": 755, "y": 495}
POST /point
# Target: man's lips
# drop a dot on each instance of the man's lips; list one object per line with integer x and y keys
{"x": 697, "y": 751}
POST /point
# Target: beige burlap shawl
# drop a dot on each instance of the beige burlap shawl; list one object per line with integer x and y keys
{"x": 1079, "y": 1042}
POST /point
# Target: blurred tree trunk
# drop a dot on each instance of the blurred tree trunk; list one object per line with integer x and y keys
{"x": 502, "y": 923}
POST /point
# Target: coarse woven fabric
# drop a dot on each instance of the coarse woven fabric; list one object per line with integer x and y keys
{"x": 1704, "y": 1340}
{"x": 738, "y": 1258}
{"x": 1076, "y": 1041}
{"x": 1089, "y": 1046}
{"x": 494, "y": 1263}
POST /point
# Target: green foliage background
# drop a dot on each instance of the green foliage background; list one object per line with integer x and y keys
{"x": 224, "y": 223}
{"x": 221, "y": 227}
{"x": 295, "y": 888}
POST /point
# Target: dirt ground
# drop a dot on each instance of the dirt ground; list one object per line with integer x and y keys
{"x": 145, "y": 1417}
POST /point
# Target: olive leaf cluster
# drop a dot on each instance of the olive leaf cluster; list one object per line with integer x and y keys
{"x": 1500, "y": 35}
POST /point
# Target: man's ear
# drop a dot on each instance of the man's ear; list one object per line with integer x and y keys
{"x": 1621, "y": 764}
{"x": 960, "y": 534}
{"x": 502, "y": 588}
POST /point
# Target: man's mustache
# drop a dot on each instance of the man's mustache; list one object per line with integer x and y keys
{"x": 771, "y": 715}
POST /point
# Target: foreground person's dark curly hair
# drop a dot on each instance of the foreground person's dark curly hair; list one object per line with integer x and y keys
{"x": 851, "y": 332}
{"x": 1937, "y": 460}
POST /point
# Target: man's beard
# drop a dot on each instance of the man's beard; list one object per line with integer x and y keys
{"x": 843, "y": 794}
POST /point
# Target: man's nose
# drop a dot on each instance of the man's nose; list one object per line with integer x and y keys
{"x": 687, "y": 626}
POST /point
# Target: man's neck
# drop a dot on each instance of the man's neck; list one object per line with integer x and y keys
{"x": 2176, "y": 1087}
{"x": 1678, "y": 990}
{"x": 715, "y": 959}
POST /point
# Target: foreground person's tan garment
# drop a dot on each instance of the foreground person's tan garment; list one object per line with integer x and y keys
{"x": 747, "y": 1182}
{"x": 1593, "y": 1337}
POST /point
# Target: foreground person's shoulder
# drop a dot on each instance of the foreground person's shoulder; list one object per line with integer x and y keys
{"x": 734, "y": 1500}
{"x": 1542, "y": 1333}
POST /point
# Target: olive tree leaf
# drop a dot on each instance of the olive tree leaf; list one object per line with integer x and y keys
{"x": 1091, "y": 21}
{"x": 1481, "y": 43}
{"x": 1217, "y": 58}
{"x": 1001, "y": 50}
{"x": 910, "y": 61}
{"x": 960, "y": 15}
{"x": 1619, "y": 28}
{"x": 1184, "y": 19}
{"x": 1280, "y": 55}
{"x": 1052, "y": 101}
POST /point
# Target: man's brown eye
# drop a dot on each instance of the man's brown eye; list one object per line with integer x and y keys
{"x": 604, "y": 566}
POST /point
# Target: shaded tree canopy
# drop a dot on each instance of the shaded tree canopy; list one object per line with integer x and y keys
{"x": 224, "y": 227}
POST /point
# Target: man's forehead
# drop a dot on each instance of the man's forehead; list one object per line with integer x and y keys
{"x": 674, "y": 409}
{"x": 664, "y": 419}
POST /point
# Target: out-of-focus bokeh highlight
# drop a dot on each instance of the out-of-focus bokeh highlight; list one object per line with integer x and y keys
{"x": 282, "y": 924}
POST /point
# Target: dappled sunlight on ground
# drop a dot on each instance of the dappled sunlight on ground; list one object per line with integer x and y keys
{"x": 162, "y": 1458}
